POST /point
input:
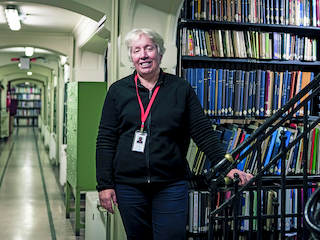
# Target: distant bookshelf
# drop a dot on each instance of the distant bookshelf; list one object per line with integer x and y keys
{"x": 27, "y": 104}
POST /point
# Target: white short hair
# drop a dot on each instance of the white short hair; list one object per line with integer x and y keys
{"x": 149, "y": 33}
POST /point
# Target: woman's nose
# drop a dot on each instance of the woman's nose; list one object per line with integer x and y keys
{"x": 143, "y": 53}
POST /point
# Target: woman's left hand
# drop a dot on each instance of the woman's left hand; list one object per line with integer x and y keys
{"x": 244, "y": 177}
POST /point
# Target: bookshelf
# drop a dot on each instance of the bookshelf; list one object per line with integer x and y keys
{"x": 84, "y": 106}
{"x": 246, "y": 60}
{"x": 26, "y": 102}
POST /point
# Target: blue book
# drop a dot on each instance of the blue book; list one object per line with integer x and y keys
{"x": 212, "y": 10}
{"x": 271, "y": 12}
{"x": 213, "y": 93}
{"x": 290, "y": 42}
{"x": 258, "y": 88}
{"x": 288, "y": 87}
{"x": 206, "y": 91}
{"x": 262, "y": 92}
{"x": 276, "y": 12}
{"x": 192, "y": 9}
{"x": 284, "y": 88}
{"x": 295, "y": 157}
{"x": 237, "y": 92}
{"x": 250, "y": 93}
{"x": 278, "y": 168}
{"x": 275, "y": 46}
{"x": 233, "y": 141}
{"x": 219, "y": 92}
{"x": 270, "y": 147}
{"x": 281, "y": 12}
{"x": 246, "y": 11}
{"x": 267, "y": 2}
{"x": 253, "y": 111}
{"x": 193, "y": 80}
{"x": 223, "y": 93}
{"x": 209, "y": 91}
{"x": 242, "y": 211}
{"x": 240, "y": 165}
{"x": 242, "y": 12}
{"x": 226, "y": 93}
{"x": 189, "y": 75}
{"x": 302, "y": 13}
{"x": 200, "y": 85}
{"x": 241, "y": 93}
{"x": 246, "y": 93}
{"x": 230, "y": 93}
{"x": 275, "y": 150}
{"x": 226, "y": 138}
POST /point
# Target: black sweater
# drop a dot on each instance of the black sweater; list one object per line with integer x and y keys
{"x": 175, "y": 116}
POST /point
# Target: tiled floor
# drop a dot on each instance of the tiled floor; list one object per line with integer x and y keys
{"x": 31, "y": 201}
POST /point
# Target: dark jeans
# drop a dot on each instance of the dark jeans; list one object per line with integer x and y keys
{"x": 154, "y": 212}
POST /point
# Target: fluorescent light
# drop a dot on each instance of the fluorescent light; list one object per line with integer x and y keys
{"x": 29, "y": 73}
{"x": 29, "y": 51}
{"x": 13, "y": 18}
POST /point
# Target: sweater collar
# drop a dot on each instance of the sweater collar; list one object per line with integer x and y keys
{"x": 159, "y": 82}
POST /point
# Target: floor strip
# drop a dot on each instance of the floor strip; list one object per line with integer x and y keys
{"x": 52, "y": 229}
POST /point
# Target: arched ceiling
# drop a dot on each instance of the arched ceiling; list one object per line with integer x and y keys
{"x": 58, "y": 17}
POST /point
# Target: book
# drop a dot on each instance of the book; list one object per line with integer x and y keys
{"x": 226, "y": 138}
{"x": 206, "y": 99}
{"x": 240, "y": 165}
{"x": 213, "y": 92}
{"x": 275, "y": 150}
{"x": 230, "y": 93}
{"x": 262, "y": 93}
{"x": 270, "y": 147}
{"x": 246, "y": 93}
{"x": 305, "y": 80}
{"x": 200, "y": 85}
{"x": 219, "y": 90}
{"x": 278, "y": 168}
{"x": 258, "y": 88}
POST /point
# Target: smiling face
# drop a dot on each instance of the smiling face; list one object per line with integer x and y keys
{"x": 145, "y": 57}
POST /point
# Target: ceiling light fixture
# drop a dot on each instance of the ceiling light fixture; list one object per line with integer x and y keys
{"x": 12, "y": 16}
{"x": 29, "y": 73}
{"x": 29, "y": 51}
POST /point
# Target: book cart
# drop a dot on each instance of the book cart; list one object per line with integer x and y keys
{"x": 208, "y": 47}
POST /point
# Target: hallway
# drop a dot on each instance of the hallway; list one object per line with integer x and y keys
{"x": 31, "y": 202}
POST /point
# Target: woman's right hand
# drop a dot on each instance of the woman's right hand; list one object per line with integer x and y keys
{"x": 105, "y": 197}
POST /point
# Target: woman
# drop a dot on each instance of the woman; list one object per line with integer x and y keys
{"x": 147, "y": 179}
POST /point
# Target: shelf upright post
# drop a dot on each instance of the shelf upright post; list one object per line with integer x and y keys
{"x": 283, "y": 186}
{"x": 251, "y": 196}
{"x": 236, "y": 209}
{"x": 305, "y": 169}
{"x": 213, "y": 193}
{"x": 275, "y": 204}
{"x": 259, "y": 183}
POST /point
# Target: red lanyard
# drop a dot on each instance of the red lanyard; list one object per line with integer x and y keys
{"x": 144, "y": 114}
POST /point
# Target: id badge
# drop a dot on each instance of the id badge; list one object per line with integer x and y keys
{"x": 139, "y": 141}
